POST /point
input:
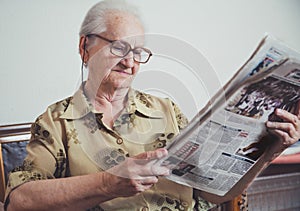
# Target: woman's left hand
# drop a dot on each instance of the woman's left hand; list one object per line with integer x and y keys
{"x": 288, "y": 131}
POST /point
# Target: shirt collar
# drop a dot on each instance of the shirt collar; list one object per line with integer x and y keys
{"x": 142, "y": 103}
{"x": 79, "y": 106}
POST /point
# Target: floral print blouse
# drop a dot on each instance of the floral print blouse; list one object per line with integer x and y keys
{"x": 70, "y": 139}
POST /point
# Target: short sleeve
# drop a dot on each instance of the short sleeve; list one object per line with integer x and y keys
{"x": 45, "y": 158}
{"x": 181, "y": 119}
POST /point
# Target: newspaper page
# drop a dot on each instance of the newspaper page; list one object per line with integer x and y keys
{"x": 269, "y": 51}
{"x": 222, "y": 143}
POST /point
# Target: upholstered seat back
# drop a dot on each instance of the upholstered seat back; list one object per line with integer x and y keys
{"x": 13, "y": 141}
{"x": 13, "y": 153}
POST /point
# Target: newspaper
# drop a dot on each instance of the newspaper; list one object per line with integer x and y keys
{"x": 226, "y": 138}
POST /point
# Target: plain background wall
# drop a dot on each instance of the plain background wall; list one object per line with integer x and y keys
{"x": 40, "y": 64}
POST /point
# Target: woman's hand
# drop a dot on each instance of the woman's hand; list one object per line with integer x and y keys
{"x": 135, "y": 174}
{"x": 287, "y": 131}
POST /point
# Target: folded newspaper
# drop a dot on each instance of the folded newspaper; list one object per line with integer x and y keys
{"x": 226, "y": 138}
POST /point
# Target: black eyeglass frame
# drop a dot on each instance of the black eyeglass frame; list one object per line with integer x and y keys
{"x": 130, "y": 48}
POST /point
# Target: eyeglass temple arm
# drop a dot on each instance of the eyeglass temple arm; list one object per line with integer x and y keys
{"x": 99, "y": 36}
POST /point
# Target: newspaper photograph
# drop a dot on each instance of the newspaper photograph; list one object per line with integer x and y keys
{"x": 225, "y": 140}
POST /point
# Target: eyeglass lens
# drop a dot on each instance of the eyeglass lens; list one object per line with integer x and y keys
{"x": 121, "y": 49}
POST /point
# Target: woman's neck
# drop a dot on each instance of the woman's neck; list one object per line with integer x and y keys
{"x": 109, "y": 101}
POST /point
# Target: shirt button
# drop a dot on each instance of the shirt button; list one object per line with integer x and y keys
{"x": 145, "y": 209}
{"x": 119, "y": 141}
{"x": 185, "y": 204}
{"x": 130, "y": 125}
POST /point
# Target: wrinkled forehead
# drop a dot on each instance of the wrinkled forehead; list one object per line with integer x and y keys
{"x": 124, "y": 26}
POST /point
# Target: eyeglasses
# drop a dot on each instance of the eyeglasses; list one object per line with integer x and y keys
{"x": 122, "y": 48}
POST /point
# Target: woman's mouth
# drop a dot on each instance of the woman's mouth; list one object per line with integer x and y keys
{"x": 122, "y": 72}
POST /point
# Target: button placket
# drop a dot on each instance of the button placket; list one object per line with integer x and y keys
{"x": 145, "y": 209}
{"x": 119, "y": 141}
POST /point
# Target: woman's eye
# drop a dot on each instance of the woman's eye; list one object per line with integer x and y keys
{"x": 137, "y": 51}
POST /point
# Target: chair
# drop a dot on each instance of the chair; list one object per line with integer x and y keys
{"x": 13, "y": 141}
{"x": 239, "y": 203}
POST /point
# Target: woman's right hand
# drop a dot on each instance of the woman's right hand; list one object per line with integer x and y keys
{"x": 136, "y": 174}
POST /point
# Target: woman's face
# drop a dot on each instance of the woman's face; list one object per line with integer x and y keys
{"x": 107, "y": 71}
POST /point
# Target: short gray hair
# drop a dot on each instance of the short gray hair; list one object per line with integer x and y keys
{"x": 95, "y": 19}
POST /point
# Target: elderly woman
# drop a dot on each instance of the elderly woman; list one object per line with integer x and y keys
{"x": 96, "y": 149}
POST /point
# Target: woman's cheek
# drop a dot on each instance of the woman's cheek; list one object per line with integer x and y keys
{"x": 136, "y": 68}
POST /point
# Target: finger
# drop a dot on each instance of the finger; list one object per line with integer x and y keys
{"x": 286, "y": 140}
{"x": 141, "y": 188}
{"x": 150, "y": 168}
{"x": 298, "y": 110}
{"x": 152, "y": 155}
{"x": 159, "y": 170}
{"x": 288, "y": 117}
{"x": 148, "y": 180}
{"x": 285, "y": 128}
{"x": 144, "y": 183}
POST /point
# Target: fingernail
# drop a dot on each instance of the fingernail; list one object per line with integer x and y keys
{"x": 159, "y": 154}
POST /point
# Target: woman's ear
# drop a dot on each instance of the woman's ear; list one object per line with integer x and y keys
{"x": 82, "y": 49}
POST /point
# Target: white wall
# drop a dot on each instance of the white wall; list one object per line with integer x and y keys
{"x": 39, "y": 61}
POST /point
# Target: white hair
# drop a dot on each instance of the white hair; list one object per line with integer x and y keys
{"x": 95, "y": 19}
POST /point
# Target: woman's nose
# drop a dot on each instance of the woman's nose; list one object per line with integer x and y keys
{"x": 128, "y": 60}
